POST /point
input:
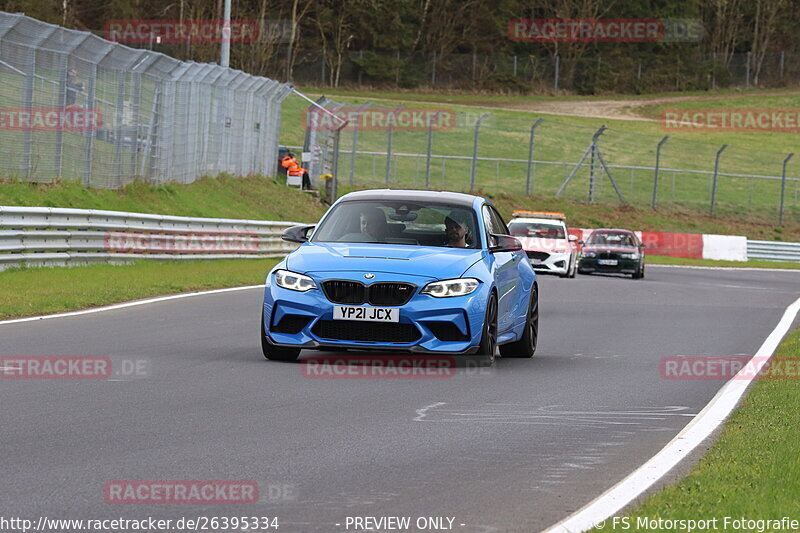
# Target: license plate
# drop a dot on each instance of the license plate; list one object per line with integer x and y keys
{"x": 609, "y": 262}
{"x": 367, "y": 314}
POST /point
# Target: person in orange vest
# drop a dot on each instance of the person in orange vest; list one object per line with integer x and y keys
{"x": 293, "y": 168}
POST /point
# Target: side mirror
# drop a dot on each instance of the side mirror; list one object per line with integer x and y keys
{"x": 643, "y": 245}
{"x": 504, "y": 243}
{"x": 297, "y": 233}
{"x": 573, "y": 238}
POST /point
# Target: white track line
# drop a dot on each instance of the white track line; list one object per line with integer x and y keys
{"x": 128, "y": 304}
{"x": 706, "y": 421}
{"x": 796, "y": 270}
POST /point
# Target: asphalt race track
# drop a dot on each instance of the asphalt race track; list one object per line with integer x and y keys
{"x": 515, "y": 447}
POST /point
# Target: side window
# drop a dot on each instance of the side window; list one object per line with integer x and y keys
{"x": 487, "y": 221}
{"x": 497, "y": 222}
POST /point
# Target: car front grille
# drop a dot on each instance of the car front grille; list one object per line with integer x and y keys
{"x": 446, "y": 331}
{"x": 352, "y": 330}
{"x": 345, "y": 292}
{"x": 542, "y": 256}
{"x": 356, "y": 293}
{"x": 608, "y": 255}
{"x": 291, "y": 324}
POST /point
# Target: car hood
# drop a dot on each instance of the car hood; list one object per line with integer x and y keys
{"x": 425, "y": 261}
{"x": 614, "y": 249}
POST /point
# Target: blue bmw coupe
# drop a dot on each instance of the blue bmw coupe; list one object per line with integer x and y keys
{"x": 419, "y": 271}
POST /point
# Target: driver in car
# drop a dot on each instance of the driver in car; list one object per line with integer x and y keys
{"x": 456, "y": 228}
{"x": 373, "y": 223}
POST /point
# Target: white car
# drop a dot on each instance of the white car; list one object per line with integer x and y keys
{"x": 544, "y": 237}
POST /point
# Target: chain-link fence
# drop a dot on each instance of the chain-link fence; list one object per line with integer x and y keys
{"x": 446, "y": 148}
{"x": 77, "y": 107}
{"x": 619, "y": 71}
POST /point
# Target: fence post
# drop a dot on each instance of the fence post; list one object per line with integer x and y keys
{"x": 529, "y": 181}
{"x": 558, "y": 66}
{"x": 475, "y": 152}
{"x": 515, "y": 66}
{"x": 430, "y": 148}
{"x": 783, "y": 187}
{"x": 716, "y": 175}
{"x": 27, "y": 102}
{"x": 90, "y": 104}
{"x": 782, "y": 62}
{"x": 433, "y": 69}
{"x": 335, "y": 165}
{"x": 389, "y": 144}
{"x": 747, "y": 72}
{"x": 355, "y": 143}
{"x": 58, "y": 159}
{"x": 655, "y": 176}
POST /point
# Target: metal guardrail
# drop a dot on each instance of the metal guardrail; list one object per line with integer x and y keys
{"x": 773, "y": 251}
{"x": 44, "y": 236}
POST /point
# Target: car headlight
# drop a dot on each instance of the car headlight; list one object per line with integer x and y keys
{"x": 294, "y": 281}
{"x": 630, "y": 256}
{"x": 589, "y": 254}
{"x": 451, "y": 287}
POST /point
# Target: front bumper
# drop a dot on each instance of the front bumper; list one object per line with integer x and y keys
{"x": 623, "y": 266}
{"x": 557, "y": 263}
{"x": 313, "y": 314}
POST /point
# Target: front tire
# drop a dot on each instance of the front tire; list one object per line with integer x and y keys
{"x": 275, "y": 353}
{"x": 488, "y": 344}
{"x": 526, "y": 346}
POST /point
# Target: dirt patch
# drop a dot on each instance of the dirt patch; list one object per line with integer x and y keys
{"x": 625, "y": 109}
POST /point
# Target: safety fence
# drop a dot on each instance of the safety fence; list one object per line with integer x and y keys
{"x": 521, "y": 154}
{"x": 47, "y": 236}
{"x": 78, "y": 107}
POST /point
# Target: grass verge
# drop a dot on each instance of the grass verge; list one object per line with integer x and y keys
{"x": 37, "y": 291}
{"x": 753, "y": 469}
{"x": 664, "y": 260}
{"x": 252, "y": 197}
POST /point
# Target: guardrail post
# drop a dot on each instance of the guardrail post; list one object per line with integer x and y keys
{"x": 716, "y": 176}
{"x": 783, "y": 187}
{"x": 475, "y": 152}
{"x": 529, "y": 181}
{"x": 389, "y": 144}
{"x": 655, "y": 175}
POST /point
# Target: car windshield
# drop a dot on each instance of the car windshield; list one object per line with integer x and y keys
{"x": 542, "y": 230}
{"x": 611, "y": 239}
{"x": 399, "y": 222}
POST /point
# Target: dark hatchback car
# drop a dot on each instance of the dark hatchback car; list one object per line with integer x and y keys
{"x": 615, "y": 251}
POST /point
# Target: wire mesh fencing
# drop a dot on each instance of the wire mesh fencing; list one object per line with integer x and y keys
{"x": 455, "y": 148}
{"x": 77, "y": 107}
